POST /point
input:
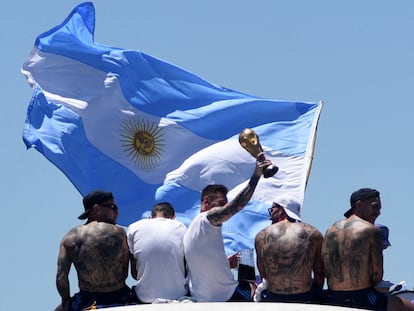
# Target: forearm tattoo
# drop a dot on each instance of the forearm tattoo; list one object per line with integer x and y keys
{"x": 221, "y": 214}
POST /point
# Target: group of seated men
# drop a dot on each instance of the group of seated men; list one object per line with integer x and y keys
{"x": 173, "y": 262}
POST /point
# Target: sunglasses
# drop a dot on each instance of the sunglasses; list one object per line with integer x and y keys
{"x": 112, "y": 206}
{"x": 271, "y": 208}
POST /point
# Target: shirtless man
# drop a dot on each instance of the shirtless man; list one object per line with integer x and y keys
{"x": 288, "y": 251}
{"x": 211, "y": 279}
{"x": 99, "y": 251}
{"x": 352, "y": 254}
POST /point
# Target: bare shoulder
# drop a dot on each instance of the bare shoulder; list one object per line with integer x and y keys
{"x": 346, "y": 224}
{"x": 372, "y": 231}
{"x": 119, "y": 229}
{"x": 100, "y": 230}
{"x": 338, "y": 225}
{"x": 103, "y": 226}
{"x": 72, "y": 235}
{"x": 311, "y": 229}
{"x": 106, "y": 229}
{"x": 261, "y": 234}
{"x": 359, "y": 225}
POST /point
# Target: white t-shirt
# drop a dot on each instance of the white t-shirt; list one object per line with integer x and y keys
{"x": 208, "y": 268}
{"x": 157, "y": 244}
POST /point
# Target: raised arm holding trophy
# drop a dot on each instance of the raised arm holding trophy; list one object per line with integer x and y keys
{"x": 249, "y": 140}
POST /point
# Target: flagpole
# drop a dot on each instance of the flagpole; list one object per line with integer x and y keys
{"x": 312, "y": 145}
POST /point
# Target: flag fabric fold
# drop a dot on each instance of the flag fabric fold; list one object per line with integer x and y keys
{"x": 149, "y": 131}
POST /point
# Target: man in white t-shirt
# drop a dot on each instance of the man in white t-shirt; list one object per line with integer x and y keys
{"x": 157, "y": 247}
{"x": 210, "y": 277}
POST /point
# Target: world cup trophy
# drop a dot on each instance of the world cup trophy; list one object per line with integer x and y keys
{"x": 249, "y": 140}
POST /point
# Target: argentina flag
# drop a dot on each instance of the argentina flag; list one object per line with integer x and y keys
{"x": 148, "y": 131}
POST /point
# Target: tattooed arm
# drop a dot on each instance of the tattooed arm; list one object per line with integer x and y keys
{"x": 63, "y": 267}
{"x": 218, "y": 215}
{"x": 376, "y": 257}
{"x": 258, "y": 245}
{"x": 318, "y": 269}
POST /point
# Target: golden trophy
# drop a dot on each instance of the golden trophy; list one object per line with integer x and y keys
{"x": 249, "y": 140}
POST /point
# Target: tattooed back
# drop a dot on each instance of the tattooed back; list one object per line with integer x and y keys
{"x": 352, "y": 254}
{"x": 287, "y": 254}
{"x": 100, "y": 254}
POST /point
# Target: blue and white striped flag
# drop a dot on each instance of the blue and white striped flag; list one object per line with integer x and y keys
{"x": 149, "y": 131}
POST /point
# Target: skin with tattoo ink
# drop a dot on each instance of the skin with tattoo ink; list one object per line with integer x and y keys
{"x": 98, "y": 250}
{"x": 100, "y": 255}
{"x": 352, "y": 256}
{"x": 208, "y": 266}
{"x": 219, "y": 209}
{"x": 288, "y": 254}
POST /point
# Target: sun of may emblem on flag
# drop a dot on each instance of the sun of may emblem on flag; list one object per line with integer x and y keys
{"x": 143, "y": 142}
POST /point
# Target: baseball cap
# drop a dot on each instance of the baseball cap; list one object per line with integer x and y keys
{"x": 385, "y": 235}
{"x": 361, "y": 195}
{"x": 92, "y": 198}
{"x": 291, "y": 207}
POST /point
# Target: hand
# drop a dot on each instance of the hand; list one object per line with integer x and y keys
{"x": 261, "y": 164}
{"x": 234, "y": 260}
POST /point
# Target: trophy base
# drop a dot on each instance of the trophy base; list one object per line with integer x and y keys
{"x": 270, "y": 171}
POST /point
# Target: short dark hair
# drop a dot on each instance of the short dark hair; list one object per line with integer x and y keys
{"x": 212, "y": 190}
{"x": 165, "y": 208}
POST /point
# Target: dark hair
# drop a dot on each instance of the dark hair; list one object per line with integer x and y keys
{"x": 212, "y": 190}
{"x": 165, "y": 208}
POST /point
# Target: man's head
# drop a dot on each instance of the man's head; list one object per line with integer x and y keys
{"x": 212, "y": 196}
{"x": 365, "y": 203}
{"x": 99, "y": 205}
{"x": 164, "y": 210}
{"x": 284, "y": 208}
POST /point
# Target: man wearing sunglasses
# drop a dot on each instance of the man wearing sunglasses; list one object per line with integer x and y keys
{"x": 288, "y": 253}
{"x": 99, "y": 251}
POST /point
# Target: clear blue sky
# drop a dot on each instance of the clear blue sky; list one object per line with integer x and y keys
{"x": 356, "y": 56}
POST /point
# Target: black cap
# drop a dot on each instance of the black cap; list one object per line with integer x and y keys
{"x": 361, "y": 195}
{"x": 92, "y": 198}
